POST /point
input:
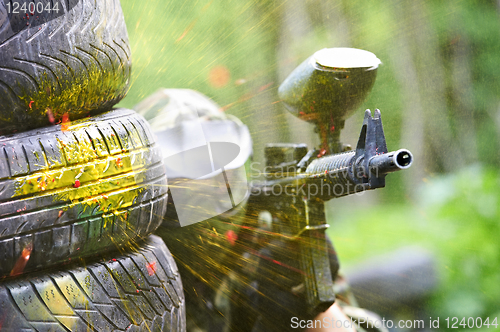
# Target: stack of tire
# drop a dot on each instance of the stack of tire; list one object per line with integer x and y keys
{"x": 82, "y": 185}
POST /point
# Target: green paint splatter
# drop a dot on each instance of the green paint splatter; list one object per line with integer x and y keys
{"x": 78, "y": 96}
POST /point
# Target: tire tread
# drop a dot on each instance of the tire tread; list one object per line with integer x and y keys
{"x": 55, "y": 227}
{"x": 58, "y": 52}
{"x": 97, "y": 297}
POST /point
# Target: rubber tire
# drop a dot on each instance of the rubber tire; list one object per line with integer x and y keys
{"x": 137, "y": 291}
{"x": 78, "y": 63}
{"x": 120, "y": 197}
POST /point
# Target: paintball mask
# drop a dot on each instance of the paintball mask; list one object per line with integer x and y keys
{"x": 204, "y": 152}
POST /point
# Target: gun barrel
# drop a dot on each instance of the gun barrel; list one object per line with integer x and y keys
{"x": 330, "y": 164}
{"x": 345, "y": 173}
{"x": 391, "y": 162}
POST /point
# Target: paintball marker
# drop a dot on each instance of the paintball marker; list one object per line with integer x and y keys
{"x": 324, "y": 90}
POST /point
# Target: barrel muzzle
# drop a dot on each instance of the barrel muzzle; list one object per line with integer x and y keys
{"x": 390, "y": 162}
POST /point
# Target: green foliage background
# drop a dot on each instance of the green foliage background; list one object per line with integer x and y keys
{"x": 456, "y": 218}
{"x": 449, "y": 110}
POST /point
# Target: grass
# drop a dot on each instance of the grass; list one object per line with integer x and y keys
{"x": 457, "y": 218}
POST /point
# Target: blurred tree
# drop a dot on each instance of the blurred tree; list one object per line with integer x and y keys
{"x": 438, "y": 87}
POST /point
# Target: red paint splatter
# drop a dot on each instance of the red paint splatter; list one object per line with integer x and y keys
{"x": 280, "y": 263}
{"x": 151, "y": 267}
{"x": 77, "y": 183}
{"x": 22, "y": 209}
{"x": 119, "y": 162}
{"x": 219, "y": 76}
{"x": 231, "y": 237}
{"x": 265, "y": 87}
{"x": 321, "y": 153}
{"x": 22, "y": 261}
{"x": 185, "y": 32}
{"x": 65, "y": 122}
